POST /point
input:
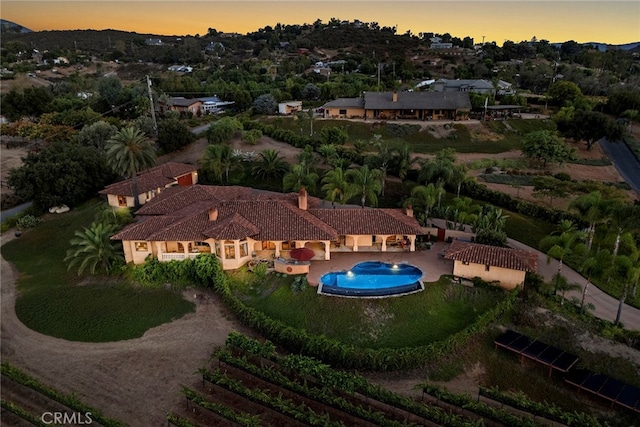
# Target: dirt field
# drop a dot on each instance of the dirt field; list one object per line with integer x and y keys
{"x": 9, "y": 158}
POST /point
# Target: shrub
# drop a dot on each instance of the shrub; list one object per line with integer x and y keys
{"x": 27, "y": 221}
{"x": 252, "y": 136}
{"x": 562, "y": 176}
{"x": 299, "y": 284}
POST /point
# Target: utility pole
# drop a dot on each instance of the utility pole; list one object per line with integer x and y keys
{"x": 378, "y": 74}
{"x": 153, "y": 110}
{"x": 482, "y": 40}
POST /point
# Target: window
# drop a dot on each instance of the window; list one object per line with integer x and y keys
{"x": 122, "y": 200}
{"x": 486, "y": 267}
{"x": 141, "y": 247}
{"x": 217, "y": 249}
{"x": 244, "y": 249}
{"x": 465, "y": 262}
{"x": 268, "y": 246}
{"x": 229, "y": 249}
{"x": 343, "y": 112}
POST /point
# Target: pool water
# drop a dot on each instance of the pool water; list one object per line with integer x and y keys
{"x": 371, "y": 279}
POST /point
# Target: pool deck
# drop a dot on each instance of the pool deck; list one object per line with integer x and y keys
{"x": 430, "y": 262}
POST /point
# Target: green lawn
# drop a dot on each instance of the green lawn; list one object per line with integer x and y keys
{"x": 434, "y": 314}
{"x": 55, "y": 302}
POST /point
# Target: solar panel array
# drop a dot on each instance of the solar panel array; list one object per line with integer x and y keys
{"x": 604, "y": 386}
{"x": 537, "y": 350}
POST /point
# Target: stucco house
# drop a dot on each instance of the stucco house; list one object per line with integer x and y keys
{"x": 240, "y": 224}
{"x": 401, "y": 105}
{"x": 150, "y": 183}
{"x": 491, "y": 263}
{"x": 289, "y": 107}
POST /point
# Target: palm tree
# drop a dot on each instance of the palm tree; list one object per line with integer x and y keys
{"x": 629, "y": 272}
{"x": 220, "y": 160}
{"x": 424, "y": 197}
{"x": 129, "y": 151}
{"x": 382, "y": 161}
{"x": 367, "y": 183}
{"x": 466, "y": 212}
{"x": 93, "y": 248}
{"x": 489, "y": 226}
{"x": 457, "y": 177}
{"x": 563, "y": 244}
{"x": 562, "y": 285}
{"x": 270, "y": 165}
{"x": 404, "y": 161}
{"x": 336, "y": 187}
{"x": 623, "y": 217}
{"x": 591, "y": 265}
{"x": 592, "y": 207}
{"x": 299, "y": 177}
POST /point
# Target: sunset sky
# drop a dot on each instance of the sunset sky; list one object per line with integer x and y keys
{"x": 613, "y": 22}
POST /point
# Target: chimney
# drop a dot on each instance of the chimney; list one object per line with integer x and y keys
{"x": 213, "y": 214}
{"x": 410, "y": 211}
{"x": 302, "y": 199}
{"x": 394, "y": 97}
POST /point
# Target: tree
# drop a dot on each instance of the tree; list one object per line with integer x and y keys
{"x": 223, "y": 130}
{"x": 265, "y": 104}
{"x": 440, "y": 169}
{"x": 591, "y": 126}
{"x": 591, "y": 265}
{"x": 381, "y": 161}
{"x": 544, "y": 186}
{"x": 592, "y": 208}
{"x": 424, "y": 197}
{"x": 93, "y": 248}
{"x": 489, "y": 226}
{"x": 173, "y": 134}
{"x": 335, "y": 187}
{"x": 96, "y": 134}
{"x": 311, "y": 92}
{"x": 129, "y": 151}
{"x": 299, "y": 177}
{"x": 561, "y": 245}
{"x": 403, "y": 161}
{"x": 564, "y": 92}
{"x": 270, "y": 165}
{"x": 623, "y": 217}
{"x": 547, "y": 147}
{"x": 219, "y": 159}
{"x": 628, "y": 272}
{"x": 60, "y": 173}
{"x": 333, "y": 135}
{"x": 366, "y": 183}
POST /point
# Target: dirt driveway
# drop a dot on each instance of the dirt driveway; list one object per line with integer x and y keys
{"x": 137, "y": 381}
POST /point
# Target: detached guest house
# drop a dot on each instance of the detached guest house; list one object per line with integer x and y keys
{"x": 240, "y": 224}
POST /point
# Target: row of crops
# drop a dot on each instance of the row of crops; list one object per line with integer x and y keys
{"x": 249, "y": 383}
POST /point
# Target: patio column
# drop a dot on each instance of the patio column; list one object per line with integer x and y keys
{"x": 159, "y": 250}
{"x": 278, "y": 246}
{"x": 355, "y": 243}
{"x": 384, "y": 244}
{"x": 185, "y": 249}
{"x": 412, "y": 239}
{"x": 327, "y": 254}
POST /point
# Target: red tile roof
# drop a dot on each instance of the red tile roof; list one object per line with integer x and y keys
{"x": 476, "y": 253}
{"x": 368, "y": 221}
{"x": 151, "y": 179}
{"x": 182, "y": 213}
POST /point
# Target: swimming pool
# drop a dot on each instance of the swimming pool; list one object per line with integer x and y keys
{"x": 372, "y": 279}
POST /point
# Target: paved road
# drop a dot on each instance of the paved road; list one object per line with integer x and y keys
{"x": 199, "y": 129}
{"x": 624, "y": 160}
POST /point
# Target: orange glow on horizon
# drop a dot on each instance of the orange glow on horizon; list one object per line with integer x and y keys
{"x": 613, "y": 22}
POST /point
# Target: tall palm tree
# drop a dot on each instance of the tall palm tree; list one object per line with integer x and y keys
{"x": 270, "y": 165}
{"x": 93, "y": 248}
{"x": 424, "y": 197}
{"x": 466, "y": 212}
{"x": 299, "y": 177}
{"x": 562, "y": 245}
{"x": 628, "y": 271}
{"x": 335, "y": 187}
{"x": 593, "y": 208}
{"x": 382, "y": 161}
{"x": 457, "y": 177}
{"x": 623, "y": 217}
{"x": 220, "y": 160}
{"x": 404, "y": 161}
{"x": 129, "y": 151}
{"x": 591, "y": 265}
{"x": 367, "y": 183}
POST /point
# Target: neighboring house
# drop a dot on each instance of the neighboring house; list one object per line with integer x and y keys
{"x": 505, "y": 88}
{"x": 464, "y": 85}
{"x": 436, "y": 43}
{"x": 401, "y": 105}
{"x": 150, "y": 183}
{"x": 182, "y": 105}
{"x": 206, "y": 105}
{"x": 491, "y": 263}
{"x": 153, "y": 42}
{"x": 289, "y": 107}
{"x": 239, "y": 224}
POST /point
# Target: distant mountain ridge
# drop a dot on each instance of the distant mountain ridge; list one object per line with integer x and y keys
{"x": 603, "y": 47}
{"x": 12, "y": 27}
